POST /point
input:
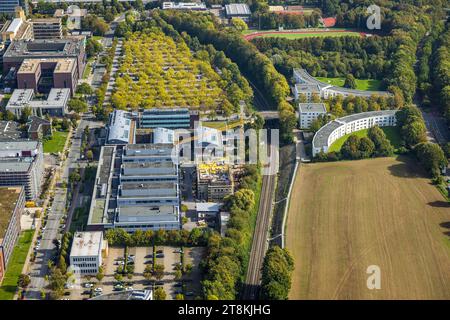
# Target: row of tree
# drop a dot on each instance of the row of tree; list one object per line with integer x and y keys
{"x": 139, "y": 238}
{"x": 255, "y": 65}
{"x": 227, "y": 257}
{"x": 276, "y": 274}
{"x": 413, "y": 130}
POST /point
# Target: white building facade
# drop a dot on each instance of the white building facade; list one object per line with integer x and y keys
{"x": 308, "y": 112}
{"x": 338, "y": 128}
{"x": 86, "y": 252}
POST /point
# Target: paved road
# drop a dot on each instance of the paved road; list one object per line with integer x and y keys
{"x": 437, "y": 126}
{"x": 52, "y": 231}
{"x": 259, "y": 244}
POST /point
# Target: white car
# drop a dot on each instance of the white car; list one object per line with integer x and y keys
{"x": 88, "y": 285}
{"x": 98, "y": 290}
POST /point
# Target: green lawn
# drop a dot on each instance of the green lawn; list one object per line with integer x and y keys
{"x": 87, "y": 70}
{"x": 310, "y": 35}
{"x": 15, "y": 266}
{"x": 56, "y": 143}
{"x": 221, "y": 125}
{"x": 361, "y": 84}
{"x": 392, "y": 133}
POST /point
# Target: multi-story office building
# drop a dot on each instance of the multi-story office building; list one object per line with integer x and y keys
{"x": 86, "y": 254}
{"x": 335, "y": 129}
{"x": 214, "y": 182}
{"x": 56, "y": 104}
{"x": 22, "y": 164}
{"x": 44, "y": 50}
{"x": 12, "y": 204}
{"x": 48, "y": 28}
{"x": 165, "y": 118}
{"x": 308, "y": 112}
{"x": 136, "y": 188}
{"x": 42, "y": 75}
{"x": 121, "y": 128}
{"x": 307, "y": 85}
{"x": 17, "y": 29}
{"x": 9, "y": 6}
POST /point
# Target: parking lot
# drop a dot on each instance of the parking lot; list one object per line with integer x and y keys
{"x": 167, "y": 256}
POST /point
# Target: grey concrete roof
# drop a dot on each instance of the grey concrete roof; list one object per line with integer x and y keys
{"x": 312, "y": 107}
{"x": 237, "y": 9}
{"x": 311, "y": 80}
{"x": 320, "y": 139}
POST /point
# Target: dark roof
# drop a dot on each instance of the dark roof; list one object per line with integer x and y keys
{"x": 34, "y": 123}
{"x": 9, "y": 130}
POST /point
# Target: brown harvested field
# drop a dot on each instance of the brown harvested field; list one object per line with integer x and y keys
{"x": 346, "y": 216}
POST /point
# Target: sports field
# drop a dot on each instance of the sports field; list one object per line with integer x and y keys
{"x": 392, "y": 133}
{"x": 297, "y": 34}
{"x": 346, "y": 216}
{"x": 361, "y": 84}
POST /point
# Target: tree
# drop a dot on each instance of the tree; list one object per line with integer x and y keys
{"x": 159, "y": 294}
{"x": 350, "y": 148}
{"x": 148, "y": 272}
{"x": 100, "y": 275}
{"x": 178, "y": 274}
{"x": 431, "y": 157}
{"x": 350, "y": 81}
{"x": 57, "y": 280}
{"x": 276, "y": 274}
{"x": 23, "y": 281}
{"x": 239, "y": 24}
{"x": 26, "y": 113}
{"x": 366, "y": 147}
{"x": 90, "y": 155}
{"x": 85, "y": 89}
{"x": 93, "y": 47}
{"x": 179, "y": 296}
{"x": 158, "y": 271}
{"x": 78, "y": 105}
{"x": 414, "y": 132}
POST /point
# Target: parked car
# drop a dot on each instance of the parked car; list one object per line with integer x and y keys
{"x": 88, "y": 285}
{"x": 98, "y": 290}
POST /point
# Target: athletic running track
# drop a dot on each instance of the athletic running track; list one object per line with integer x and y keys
{"x": 262, "y": 33}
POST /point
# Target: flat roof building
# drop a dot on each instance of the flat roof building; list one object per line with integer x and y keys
{"x": 308, "y": 112}
{"x": 337, "y": 128}
{"x": 238, "y": 10}
{"x": 308, "y": 83}
{"x": 165, "y": 118}
{"x": 71, "y": 48}
{"x": 86, "y": 252}
{"x": 42, "y": 75}
{"x": 56, "y": 104}
{"x": 12, "y": 204}
{"x": 47, "y": 28}
{"x": 183, "y": 6}
{"x": 142, "y": 193}
{"x": 121, "y": 128}
{"x": 22, "y": 164}
{"x": 214, "y": 182}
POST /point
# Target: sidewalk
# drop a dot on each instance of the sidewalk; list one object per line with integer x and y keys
{"x": 55, "y": 177}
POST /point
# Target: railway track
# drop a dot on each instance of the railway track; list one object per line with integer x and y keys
{"x": 259, "y": 245}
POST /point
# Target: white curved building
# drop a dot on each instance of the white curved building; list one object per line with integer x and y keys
{"x": 307, "y": 85}
{"x": 338, "y": 128}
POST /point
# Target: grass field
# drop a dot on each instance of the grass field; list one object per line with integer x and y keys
{"x": 346, "y": 216}
{"x": 15, "y": 266}
{"x": 56, "y": 143}
{"x": 392, "y": 134}
{"x": 361, "y": 84}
